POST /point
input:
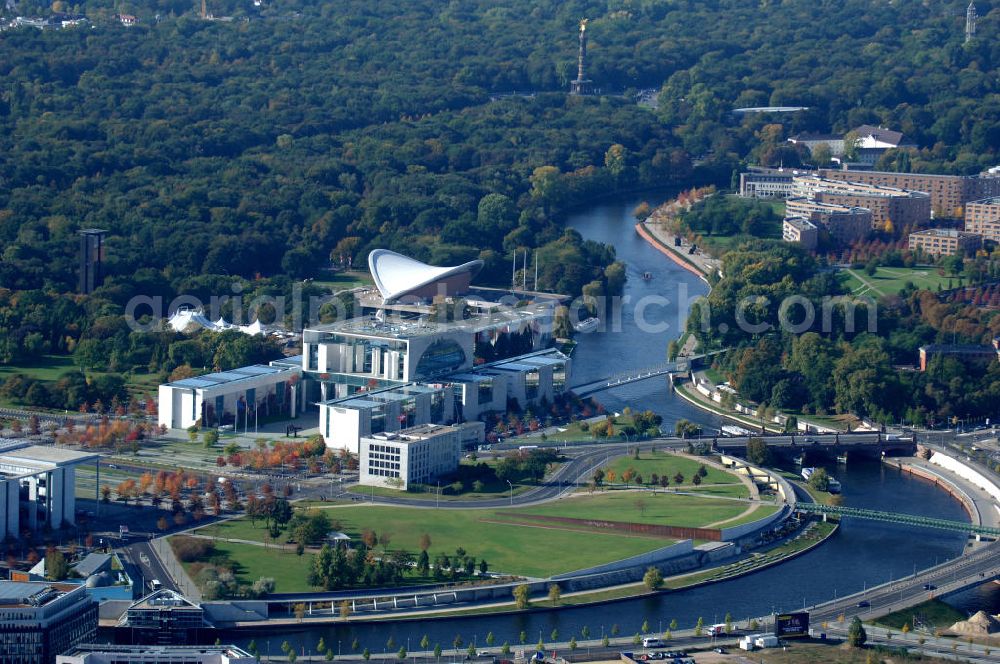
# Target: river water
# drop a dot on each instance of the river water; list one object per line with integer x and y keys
{"x": 861, "y": 553}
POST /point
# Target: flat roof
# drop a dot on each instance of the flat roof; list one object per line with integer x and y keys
{"x": 32, "y": 593}
{"x": 50, "y": 455}
{"x": 402, "y": 329}
{"x": 156, "y": 651}
{"x": 944, "y": 232}
{"x": 992, "y": 200}
{"x": 230, "y": 376}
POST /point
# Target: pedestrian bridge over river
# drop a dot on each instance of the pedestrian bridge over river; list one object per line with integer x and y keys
{"x": 644, "y": 373}
{"x": 895, "y": 517}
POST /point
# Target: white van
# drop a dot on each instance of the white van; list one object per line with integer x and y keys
{"x": 652, "y": 642}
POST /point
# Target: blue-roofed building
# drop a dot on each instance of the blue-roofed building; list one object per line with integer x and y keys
{"x": 235, "y": 397}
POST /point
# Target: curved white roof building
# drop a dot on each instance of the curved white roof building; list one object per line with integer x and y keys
{"x": 397, "y": 276}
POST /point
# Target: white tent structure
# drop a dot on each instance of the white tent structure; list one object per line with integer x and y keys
{"x": 187, "y": 320}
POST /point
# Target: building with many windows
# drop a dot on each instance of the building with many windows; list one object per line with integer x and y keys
{"x": 760, "y": 182}
{"x": 900, "y": 207}
{"x": 801, "y": 231}
{"x": 845, "y": 224}
{"x": 945, "y": 242}
{"x": 41, "y": 620}
{"x": 982, "y": 217}
{"x": 425, "y": 347}
{"x": 948, "y": 193}
{"x": 164, "y": 617}
{"x": 415, "y": 455}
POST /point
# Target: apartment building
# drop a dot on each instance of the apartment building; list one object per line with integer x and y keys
{"x": 982, "y": 217}
{"x": 800, "y": 230}
{"x": 901, "y": 207}
{"x": 945, "y": 241}
{"x": 845, "y": 224}
{"x": 948, "y": 193}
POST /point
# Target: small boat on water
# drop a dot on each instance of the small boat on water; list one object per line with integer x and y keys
{"x": 587, "y": 325}
{"x": 647, "y": 276}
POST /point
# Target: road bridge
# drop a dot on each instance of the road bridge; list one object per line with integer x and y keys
{"x": 945, "y": 579}
{"x": 643, "y": 373}
{"x": 896, "y": 517}
{"x": 872, "y": 443}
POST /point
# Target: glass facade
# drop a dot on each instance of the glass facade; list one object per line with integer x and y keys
{"x": 442, "y": 356}
{"x": 532, "y": 379}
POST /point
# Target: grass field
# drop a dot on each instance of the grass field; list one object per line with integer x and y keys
{"x": 250, "y": 562}
{"x": 338, "y": 281}
{"x": 663, "y": 463}
{"x": 934, "y": 614}
{"x": 659, "y": 508}
{"x": 512, "y": 548}
{"x": 891, "y": 280}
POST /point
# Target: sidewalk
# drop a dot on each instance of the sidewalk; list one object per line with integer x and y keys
{"x": 176, "y": 571}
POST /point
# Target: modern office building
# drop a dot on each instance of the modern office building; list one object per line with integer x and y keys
{"x": 900, "y": 207}
{"x": 425, "y": 348}
{"x": 945, "y": 242}
{"x": 845, "y": 224}
{"x": 38, "y": 621}
{"x": 164, "y": 617}
{"x": 237, "y": 397}
{"x": 415, "y": 455}
{"x": 103, "y": 653}
{"x": 801, "y": 231}
{"x": 760, "y": 182}
{"x": 948, "y": 193}
{"x": 459, "y": 397}
{"x": 982, "y": 217}
{"x": 37, "y": 486}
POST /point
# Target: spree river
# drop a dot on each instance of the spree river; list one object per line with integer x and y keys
{"x": 861, "y": 553}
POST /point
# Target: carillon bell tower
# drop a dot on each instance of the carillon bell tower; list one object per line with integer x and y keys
{"x": 581, "y": 86}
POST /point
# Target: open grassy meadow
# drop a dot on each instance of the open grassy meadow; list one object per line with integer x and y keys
{"x": 514, "y": 548}
{"x": 891, "y": 280}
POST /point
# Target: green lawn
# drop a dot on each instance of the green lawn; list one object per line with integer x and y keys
{"x": 250, "y": 562}
{"x": 47, "y": 367}
{"x": 664, "y": 463}
{"x": 51, "y": 367}
{"x": 519, "y": 549}
{"x": 934, "y": 613}
{"x": 891, "y": 280}
{"x": 659, "y": 508}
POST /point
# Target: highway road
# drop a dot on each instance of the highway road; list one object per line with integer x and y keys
{"x": 943, "y": 579}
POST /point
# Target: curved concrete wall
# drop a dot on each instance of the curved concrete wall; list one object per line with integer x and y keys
{"x": 742, "y": 530}
{"x": 658, "y": 556}
{"x": 967, "y": 472}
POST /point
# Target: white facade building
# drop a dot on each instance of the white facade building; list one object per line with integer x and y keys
{"x": 234, "y": 397}
{"x": 410, "y": 456}
{"x": 39, "y": 483}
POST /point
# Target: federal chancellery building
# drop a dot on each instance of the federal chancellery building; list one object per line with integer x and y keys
{"x": 426, "y": 347}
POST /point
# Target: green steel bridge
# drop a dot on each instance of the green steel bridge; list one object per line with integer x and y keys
{"x": 895, "y": 517}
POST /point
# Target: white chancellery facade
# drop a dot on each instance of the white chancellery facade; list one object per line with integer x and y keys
{"x": 425, "y": 348}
